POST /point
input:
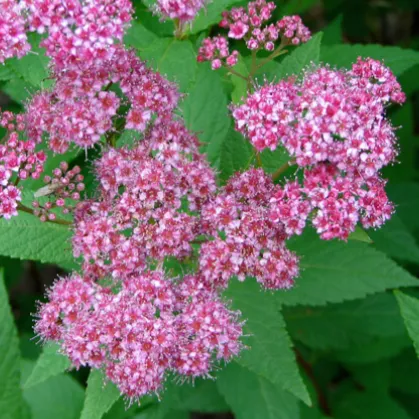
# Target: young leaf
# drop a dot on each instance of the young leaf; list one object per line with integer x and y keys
{"x": 10, "y": 394}
{"x": 49, "y": 364}
{"x": 335, "y": 271}
{"x": 174, "y": 59}
{"x": 300, "y": 58}
{"x": 205, "y": 110}
{"x": 409, "y": 308}
{"x": 59, "y": 397}
{"x": 211, "y": 14}
{"x": 25, "y": 237}
{"x": 200, "y": 396}
{"x": 270, "y": 352}
{"x": 240, "y": 85}
{"x": 99, "y": 396}
{"x": 344, "y": 55}
{"x": 253, "y": 396}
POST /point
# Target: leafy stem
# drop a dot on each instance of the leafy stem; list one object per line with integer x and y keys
{"x": 28, "y": 210}
{"x": 278, "y": 172}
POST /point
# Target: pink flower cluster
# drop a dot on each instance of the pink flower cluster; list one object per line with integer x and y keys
{"x": 331, "y": 115}
{"x": 143, "y": 213}
{"x": 13, "y": 39}
{"x": 182, "y": 10}
{"x": 245, "y": 242}
{"x": 140, "y": 329}
{"x": 18, "y": 161}
{"x": 62, "y": 189}
{"x": 80, "y": 108}
{"x": 249, "y": 25}
{"x": 333, "y": 124}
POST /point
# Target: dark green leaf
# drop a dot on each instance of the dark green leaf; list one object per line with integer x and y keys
{"x": 253, "y": 396}
{"x": 270, "y": 352}
{"x": 409, "y": 307}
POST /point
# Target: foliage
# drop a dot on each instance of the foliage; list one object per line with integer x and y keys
{"x": 342, "y": 342}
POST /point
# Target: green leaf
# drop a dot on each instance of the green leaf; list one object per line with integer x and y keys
{"x": 59, "y": 397}
{"x": 405, "y": 372}
{"x": 252, "y": 396}
{"x": 394, "y": 239}
{"x": 409, "y": 308}
{"x": 10, "y": 394}
{"x": 174, "y": 59}
{"x": 374, "y": 376}
{"x": 335, "y": 271}
{"x": 99, "y": 396}
{"x": 398, "y": 59}
{"x": 332, "y": 33}
{"x": 371, "y": 405}
{"x": 33, "y": 67}
{"x": 240, "y": 86}
{"x": 25, "y": 237}
{"x": 270, "y": 352}
{"x": 301, "y": 58}
{"x": 205, "y": 112}
{"x": 235, "y": 154}
{"x": 376, "y": 350}
{"x": 199, "y": 396}
{"x": 6, "y": 73}
{"x": 139, "y": 37}
{"x": 360, "y": 235}
{"x": 338, "y": 326}
{"x": 406, "y": 197}
{"x": 49, "y": 364}
{"x": 292, "y": 7}
{"x": 211, "y": 14}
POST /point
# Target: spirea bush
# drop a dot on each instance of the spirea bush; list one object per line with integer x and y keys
{"x": 211, "y": 180}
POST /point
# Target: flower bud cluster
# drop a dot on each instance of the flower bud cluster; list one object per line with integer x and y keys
{"x": 250, "y": 25}
{"x": 18, "y": 161}
{"x": 62, "y": 189}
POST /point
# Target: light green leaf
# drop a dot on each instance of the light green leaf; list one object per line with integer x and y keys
{"x": 174, "y": 59}
{"x": 240, "y": 86}
{"x": 205, "y": 111}
{"x": 211, "y": 14}
{"x": 139, "y": 37}
{"x": 59, "y": 397}
{"x": 199, "y": 396}
{"x": 252, "y": 396}
{"x": 10, "y": 394}
{"x": 99, "y": 396}
{"x": 409, "y": 308}
{"x": 49, "y": 364}
{"x": 235, "y": 154}
{"x": 301, "y": 58}
{"x": 335, "y": 271}
{"x": 360, "y": 235}
{"x": 270, "y": 352}
{"x": 344, "y": 55}
{"x": 25, "y": 237}
{"x": 338, "y": 326}
{"x": 33, "y": 67}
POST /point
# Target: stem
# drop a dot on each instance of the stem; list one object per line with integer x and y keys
{"x": 24, "y": 208}
{"x": 277, "y": 174}
{"x": 230, "y": 70}
{"x": 258, "y": 160}
{"x": 275, "y": 54}
{"x": 321, "y": 398}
